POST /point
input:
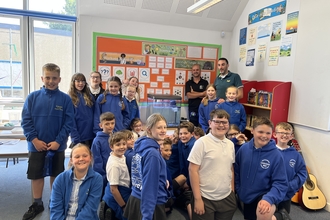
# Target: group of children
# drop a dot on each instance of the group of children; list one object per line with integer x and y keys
{"x": 142, "y": 177}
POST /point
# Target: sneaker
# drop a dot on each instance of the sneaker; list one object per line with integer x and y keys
{"x": 33, "y": 211}
{"x": 102, "y": 210}
{"x": 285, "y": 214}
{"x": 108, "y": 214}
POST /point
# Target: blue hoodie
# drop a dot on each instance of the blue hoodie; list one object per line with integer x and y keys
{"x": 133, "y": 108}
{"x": 82, "y": 129}
{"x": 173, "y": 163}
{"x": 148, "y": 176}
{"x": 47, "y": 115}
{"x": 113, "y": 104}
{"x": 184, "y": 151}
{"x": 101, "y": 152}
{"x": 204, "y": 113}
{"x": 295, "y": 170}
{"x": 237, "y": 113}
{"x": 260, "y": 172}
{"x": 89, "y": 195}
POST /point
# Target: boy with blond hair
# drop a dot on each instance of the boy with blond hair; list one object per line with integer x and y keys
{"x": 294, "y": 164}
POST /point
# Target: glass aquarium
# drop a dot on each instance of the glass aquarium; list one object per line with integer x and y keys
{"x": 167, "y": 105}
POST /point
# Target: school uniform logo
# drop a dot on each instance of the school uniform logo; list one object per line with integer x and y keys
{"x": 237, "y": 112}
{"x": 265, "y": 164}
{"x": 59, "y": 108}
{"x": 120, "y": 103}
{"x": 292, "y": 162}
{"x": 201, "y": 87}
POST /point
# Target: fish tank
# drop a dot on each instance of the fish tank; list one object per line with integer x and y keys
{"x": 167, "y": 105}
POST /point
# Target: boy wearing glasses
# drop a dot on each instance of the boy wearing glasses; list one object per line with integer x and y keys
{"x": 260, "y": 174}
{"x": 211, "y": 171}
{"x": 294, "y": 164}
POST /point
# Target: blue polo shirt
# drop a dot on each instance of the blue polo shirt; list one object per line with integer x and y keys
{"x": 221, "y": 84}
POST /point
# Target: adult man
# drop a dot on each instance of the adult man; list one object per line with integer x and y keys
{"x": 226, "y": 79}
{"x": 195, "y": 91}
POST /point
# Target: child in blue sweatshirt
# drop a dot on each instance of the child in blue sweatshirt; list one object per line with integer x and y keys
{"x": 149, "y": 193}
{"x": 294, "y": 164}
{"x": 100, "y": 146}
{"x": 83, "y": 101}
{"x": 260, "y": 174}
{"x": 112, "y": 101}
{"x": 130, "y": 101}
{"x": 235, "y": 109}
{"x": 209, "y": 103}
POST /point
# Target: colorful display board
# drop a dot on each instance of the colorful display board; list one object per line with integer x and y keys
{"x": 162, "y": 66}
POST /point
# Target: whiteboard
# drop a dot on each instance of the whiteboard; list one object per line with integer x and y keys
{"x": 310, "y": 91}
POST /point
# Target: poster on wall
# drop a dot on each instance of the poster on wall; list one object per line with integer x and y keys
{"x": 105, "y": 72}
{"x": 276, "y": 31}
{"x": 178, "y": 90}
{"x": 261, "y": 55}
{"x": 242, "y": 54}
{"x": 119, "y": 71}
{"x": 172, "y": 50}
{"x": 121, "y": 58}
{"x": 180, "y": 77}
{"x": 292, "y": 23}
{"x": 267, "y": 12}
{"x": 132, "y": 72}
{"x": 142, "y": 89}
{"x": 188, "y": 64}
{"x": 273, "y": 56}
{"x": 144, "y": 75}
{"x": 264, "y": 31}
{"x": 252, "y": 36}
{"x": 250, "y": 57}
{"x": 242, "y": 36}
{"x": 286, "y": 46}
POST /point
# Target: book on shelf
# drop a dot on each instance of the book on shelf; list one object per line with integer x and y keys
{"x": 253, "y": 118}
{"x": 252, "y": 98}
{"x": 248, "y": 120}
{"x": 264, "y": 99}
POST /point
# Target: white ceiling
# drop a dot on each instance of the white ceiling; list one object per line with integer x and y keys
{"x": 220, "y": 17}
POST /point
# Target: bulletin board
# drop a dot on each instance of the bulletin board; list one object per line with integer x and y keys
{"x": 162, "y": 66}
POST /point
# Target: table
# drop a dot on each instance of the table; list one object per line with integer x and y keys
{"x": 19, "y": 150}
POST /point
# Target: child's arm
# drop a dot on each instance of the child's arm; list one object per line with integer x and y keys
{"x": 97, "y": 113}
{"x": 74, "y": 134}
{"x": 299, "y": 179}
{"x": 194, "y": 181}
{"x": 202, "y": 119}
{"x": 57, "y": 198}
{"x": 117, "y": 196}
{"x": 242, "y": 124}
{"x": 98, "y": 165}
{"x": 66, "y": 126}
{"x": 126, "y": 119}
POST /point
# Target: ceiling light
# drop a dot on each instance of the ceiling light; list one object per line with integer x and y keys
{"x": 201, "y": 5}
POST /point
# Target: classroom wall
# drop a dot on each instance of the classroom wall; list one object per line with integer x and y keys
{"x": 87, "y": 25}
{"x": 314, "y": 143}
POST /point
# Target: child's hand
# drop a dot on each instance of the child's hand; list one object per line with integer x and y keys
{"x": 125, "y": 82}
{"x": 221, "y": 100}
{"x": 263, "y": 207}
{"x": 241, "y": 137}
{"x": 39, "y": 144}
{"x": 53, "y": 145}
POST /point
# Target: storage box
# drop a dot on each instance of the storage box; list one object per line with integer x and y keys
{"x": 167, "y": 105}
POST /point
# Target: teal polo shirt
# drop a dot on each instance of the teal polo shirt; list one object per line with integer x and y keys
{"x": 221, "y": 84}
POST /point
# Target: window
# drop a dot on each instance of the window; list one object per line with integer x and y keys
{"x": 28, "y": 40}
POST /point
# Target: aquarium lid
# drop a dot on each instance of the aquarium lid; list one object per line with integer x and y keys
{"x": 164, "y": 97}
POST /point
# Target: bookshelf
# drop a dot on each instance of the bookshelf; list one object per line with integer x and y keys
{"x": 278, "y": 111}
